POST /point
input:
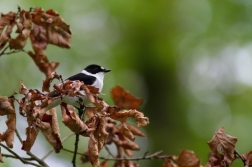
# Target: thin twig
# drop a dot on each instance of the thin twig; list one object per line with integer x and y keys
{"x": 18, "y": 135}
{"x": 107, "y": 149}
{"x": 152, "y": 156}
{"x": 80, "y": 111}
{"x": 18, "y": 157}
{"x": 11, "y": 52}
{"x": 2, "y": 53}
{"x": 40, "y": 161}
{"x": 52, "y": 149}
{"x": 75, "y": 149}
{"x": 155, "y": 155}
{"x": 70, "y": 151}
{"x": 12, "y": 156}
{"x": 239, "y": 156}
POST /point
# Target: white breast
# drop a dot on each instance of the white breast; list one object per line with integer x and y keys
{"x": 99, "y": 79}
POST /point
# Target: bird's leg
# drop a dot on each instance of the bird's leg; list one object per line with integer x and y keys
{"x": 81, "y": 109}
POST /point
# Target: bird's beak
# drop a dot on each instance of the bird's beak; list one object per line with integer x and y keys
{"x": 106, "y": 70}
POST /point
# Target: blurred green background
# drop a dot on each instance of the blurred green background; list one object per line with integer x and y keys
{"x": 191, "y": 61}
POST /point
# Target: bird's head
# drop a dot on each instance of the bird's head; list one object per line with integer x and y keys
{"x": 94, "y": 69}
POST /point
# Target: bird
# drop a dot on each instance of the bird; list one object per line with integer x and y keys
{"x": 91, "y": 75}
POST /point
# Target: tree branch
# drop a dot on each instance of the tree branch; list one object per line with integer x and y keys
{"x": 75, "y": 149}
{"x": 18, "y": 157}
{"x": 11, "y": 52}
{"x": 155, "y": 155}
{"x": 239, "y": 156}
{"x": 12, "y": 156}
{"x": 70, "y": 151}
{"x": 80, "y": 112}
{"x": 3, "y": 52}
{"x": 40, "y": 161}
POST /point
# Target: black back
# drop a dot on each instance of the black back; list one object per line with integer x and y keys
{"x": 87, "y": 79}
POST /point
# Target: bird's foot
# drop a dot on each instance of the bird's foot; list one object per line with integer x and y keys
{"x": 81, "y": 109}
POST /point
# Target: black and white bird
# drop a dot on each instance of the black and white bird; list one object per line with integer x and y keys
{"x": 91, "y": 75}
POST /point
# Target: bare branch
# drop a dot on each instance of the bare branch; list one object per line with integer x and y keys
{"x": 34, "y": 157}
{"x": 12, "y": 156}
{"x": 11, "y": 52}
{"x": 3, "y": 52}
{"x": 75, "y": 149}
{"x": 40, "y": 161}
{"x": 155, "y": 155}
{"x": 18, "y": 157}
{"x": 80, "y": 112}
{"x": 18, "y": 135}
{"x": 64, "y": 149}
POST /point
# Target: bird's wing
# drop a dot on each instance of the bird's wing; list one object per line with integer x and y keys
{"x": 88, "y": 80}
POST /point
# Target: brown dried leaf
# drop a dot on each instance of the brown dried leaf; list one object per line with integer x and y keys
{"x": 128, "y": 152}
{"x": 123, "y": 115}
{"x": 222, "y": 146}
{"x": 38, "y": 57}
{"x": 124, "y": 99}
{"x": 89, "y": 94}
{"x": 22, "y": 106}
{"x": 38, "y": 37}
{"x": 70, "y": 88}
{"x": 22, "y": 89}
{"x": 215, "y": 160}
{"x": 248, "y": 158}
{"x": 31, "y": 135}
{"x": 90, "y": 112}
{"x": 36, "y": 95}
{"x": 7, "y": 106}
{"x": 93, "y": 151}
{"x": 48, "y": 80}
{"x": 93, "y": 89}
{"x": 58, "y": 32}
{"x": 126, "y": 132}
{"x": 20, "y": 41}
{"x": 6, "y": 19}
{"x": 169, "y": 163}
{"x": 126, "y": 144}
{"x": 50, "y": 136}
{"x": 187, "y": 158}
{"x": 71, "y": 120}
{"x": 55, "y": 124}
{"x": 135, "y": 130}
{"x": 9, "y": 21}
{"x": 9, "y": 133}
{"x": 101, "y": 134}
